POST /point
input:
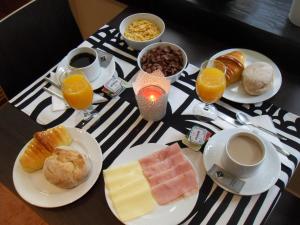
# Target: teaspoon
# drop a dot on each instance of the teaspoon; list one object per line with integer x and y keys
{"x": 243, "y": 119}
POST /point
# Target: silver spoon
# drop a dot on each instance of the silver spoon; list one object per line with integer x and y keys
{"x": 243, "y": 119}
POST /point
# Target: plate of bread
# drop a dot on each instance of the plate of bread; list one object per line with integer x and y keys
{"x": 251, "y": 77}
{"x": 57, "y": 166}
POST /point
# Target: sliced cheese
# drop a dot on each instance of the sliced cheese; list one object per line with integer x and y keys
{"x": 132, "y": 205}
{"x": 129, "y": 191}
{"x": 120, "y": 179}
{"x": 118, "y": 172}
{"x": 136, "y": 184}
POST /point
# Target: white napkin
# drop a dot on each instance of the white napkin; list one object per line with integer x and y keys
{"x": 59, "y": 104}
{"x": 266, "y": 122}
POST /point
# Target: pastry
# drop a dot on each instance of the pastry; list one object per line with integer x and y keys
{"x": 258, "y": 78}
{"x": 34, "y": 156}
{"x": 53, "y": 137}
{"x": 42, "y": 146}
{"x": 66, "y": 168}
{"x": 234, "y": 62}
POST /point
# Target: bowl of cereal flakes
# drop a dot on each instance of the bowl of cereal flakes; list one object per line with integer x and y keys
{"x": 142, "y": 29}
{"x": 167, "y": 57}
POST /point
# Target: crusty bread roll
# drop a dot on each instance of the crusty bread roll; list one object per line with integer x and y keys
{"x": 234, "y": 62}
{"x": 42, "y": 146}
{"x": 66, "y": 168}
{"x": 54, "y": 137}
{"x": 257, "y": 78}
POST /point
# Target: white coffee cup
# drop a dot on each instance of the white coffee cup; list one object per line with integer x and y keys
{"x": 244, "y": 153}
{"x": 91, "y": 71}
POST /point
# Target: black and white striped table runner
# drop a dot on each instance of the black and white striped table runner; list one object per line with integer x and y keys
{"x": 119, "y": 126}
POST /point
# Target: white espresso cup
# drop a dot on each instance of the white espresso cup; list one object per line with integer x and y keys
{"x": 87, "y": 61}
{"x": 244, "y": 153}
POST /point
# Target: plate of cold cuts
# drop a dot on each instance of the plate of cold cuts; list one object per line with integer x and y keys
{"x": 152, "y": 184}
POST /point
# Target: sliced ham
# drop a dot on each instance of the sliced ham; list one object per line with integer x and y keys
{"x": 169, "y": 174}
{"x": 160, "y": 155}
{"x": 161, "y": 166}
{"x": 163, "y": 176}
{"x": 171, "y": 150}
{"x": 173, "y": 188}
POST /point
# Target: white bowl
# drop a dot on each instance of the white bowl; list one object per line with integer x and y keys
{"x": 141, "y": 44}
{"x": 173, "y": 77}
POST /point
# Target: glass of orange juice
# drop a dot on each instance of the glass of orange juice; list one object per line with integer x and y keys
{"x": 78, "y": 92}
{"x": 210, "y": 86}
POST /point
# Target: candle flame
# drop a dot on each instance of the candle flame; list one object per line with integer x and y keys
{"x": 152, "y": 98}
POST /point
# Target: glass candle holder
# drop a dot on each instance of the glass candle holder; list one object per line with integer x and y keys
{"x": 151, "y": 93}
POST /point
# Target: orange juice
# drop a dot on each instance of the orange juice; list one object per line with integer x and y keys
{"x": 210, "y": 84}
{"x": 77, "y": 91}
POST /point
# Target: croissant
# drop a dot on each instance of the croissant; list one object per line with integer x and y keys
{"x": 34, "y": 156}
{"x": 53, "y": 137}
{"x": 42, "y": 146}
{"x": 234, "y": 62}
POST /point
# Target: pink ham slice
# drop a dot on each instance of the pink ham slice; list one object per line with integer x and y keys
{"x": 160, "y": 166}
{"x": 161, "y": 177}
{"x": 160, "y": 155}
{"x": 170, "y": 174}
{"x": 173, "y": 188}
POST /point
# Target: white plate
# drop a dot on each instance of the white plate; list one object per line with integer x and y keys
{"x": 266, "y": 176}
{"x": 236, "y": 93}
{"x": 170, "y": 214}
{"x": 35, "y": 189}
{"x": 106, "y": 73}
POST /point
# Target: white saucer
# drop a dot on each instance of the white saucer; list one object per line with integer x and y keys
{"x": 236, "y": 93}
{"x": 105, "y": 73}
{"x": 266, "y": 176}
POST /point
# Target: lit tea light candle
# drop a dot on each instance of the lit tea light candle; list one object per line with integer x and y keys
{"x": 152, "y": 93}
{"x": 152, "y": 101}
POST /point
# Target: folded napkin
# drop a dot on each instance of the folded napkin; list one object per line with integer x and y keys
{"x": 266, "y": 122}
{"x": 59, "y": 104}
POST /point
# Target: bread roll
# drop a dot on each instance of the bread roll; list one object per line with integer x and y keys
{"x": 258, "y": 78}
{"x": 234, "y": 62}
{"x": 66, "y": 168}
{"x": 54, "y": 137}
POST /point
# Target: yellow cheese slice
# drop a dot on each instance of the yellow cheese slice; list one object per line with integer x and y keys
{"x": 132, "y": 205}
{"x": 136, "y": 184}
{"x": 120, "y": 176}
{"x": 121, "y": 181}
{"x": 129, "y": 191}
{"x": 118, "y": 172}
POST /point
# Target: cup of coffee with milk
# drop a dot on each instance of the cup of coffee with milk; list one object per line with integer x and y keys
{"x": 244, "y": 153}
{"x": 84, "y": 59}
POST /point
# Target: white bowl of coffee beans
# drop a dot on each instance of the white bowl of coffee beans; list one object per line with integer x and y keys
{"x": 164, "y": 56}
